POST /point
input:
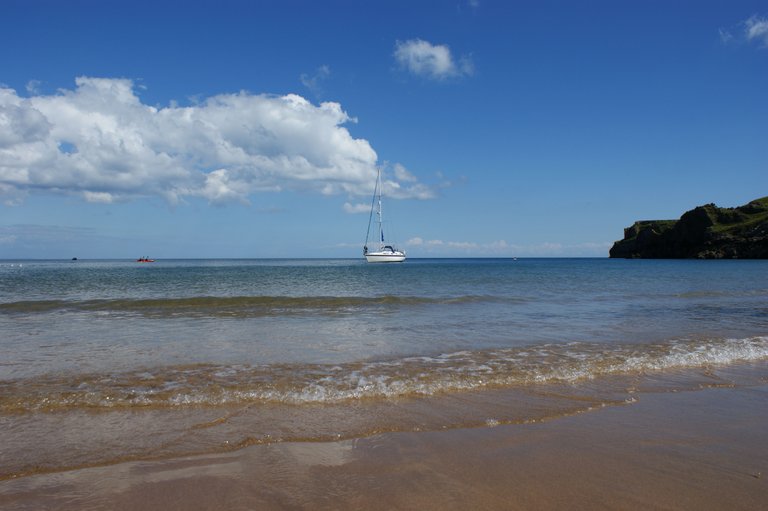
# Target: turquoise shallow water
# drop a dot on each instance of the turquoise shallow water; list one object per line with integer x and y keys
{"x": 120, "y": 360}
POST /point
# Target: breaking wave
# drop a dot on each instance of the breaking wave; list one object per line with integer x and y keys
{"x": 301, "y": 384}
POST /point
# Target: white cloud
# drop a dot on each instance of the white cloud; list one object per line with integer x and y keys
{"x": 756, "y": 29}
{"x": 103, "y": 197}
{"x": 99, "y": 141}
{"x": 433, "y": 61}
{"x": 402, "y": 174}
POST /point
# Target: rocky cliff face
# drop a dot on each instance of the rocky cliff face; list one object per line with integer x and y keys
{"x": 706, "y": 232}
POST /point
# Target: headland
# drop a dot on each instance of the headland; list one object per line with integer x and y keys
{"x": 705, "y": 232}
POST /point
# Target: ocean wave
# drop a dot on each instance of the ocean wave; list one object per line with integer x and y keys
{"x": 238, "y": 305}
{"x": 300, "y": 384}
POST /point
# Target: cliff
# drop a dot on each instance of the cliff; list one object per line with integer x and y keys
{"x": 706, "y": 232}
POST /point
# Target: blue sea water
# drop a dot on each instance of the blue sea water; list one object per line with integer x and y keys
{"x": 101, "y": 316}
{"x": 177, "y": 343}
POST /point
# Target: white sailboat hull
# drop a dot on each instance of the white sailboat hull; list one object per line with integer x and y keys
{"x": 385, "y": 257}
{"x": 383, "y": 253}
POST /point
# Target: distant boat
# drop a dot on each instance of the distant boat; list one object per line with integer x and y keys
{"x": 145, "y": 260}
{"x": 384, "y": 253}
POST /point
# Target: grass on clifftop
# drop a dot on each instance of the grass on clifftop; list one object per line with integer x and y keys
{"x": 740, "y": 219}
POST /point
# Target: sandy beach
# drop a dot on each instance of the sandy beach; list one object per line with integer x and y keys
{"x": 703, "y": 449}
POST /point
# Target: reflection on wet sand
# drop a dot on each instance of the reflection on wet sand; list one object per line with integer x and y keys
{"x": 668, "y": 450}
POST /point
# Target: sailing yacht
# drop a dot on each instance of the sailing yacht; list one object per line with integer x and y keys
{"x": 384, "y": 253}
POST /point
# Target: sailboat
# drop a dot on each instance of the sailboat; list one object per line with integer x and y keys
{"x": 384, "y": 253}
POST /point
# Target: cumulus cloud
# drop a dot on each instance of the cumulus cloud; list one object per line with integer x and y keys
{"x": 99, "y": 141}
{"x": 432, "y": 61}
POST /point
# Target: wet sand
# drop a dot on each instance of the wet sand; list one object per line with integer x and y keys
{"x": 704, "y": 449}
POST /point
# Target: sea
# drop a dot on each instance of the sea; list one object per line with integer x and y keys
{"x": 106, "y": 361}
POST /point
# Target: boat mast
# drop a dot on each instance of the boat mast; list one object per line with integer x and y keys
{"x": 378, "y": 186}
{"x": 376, "y": 194}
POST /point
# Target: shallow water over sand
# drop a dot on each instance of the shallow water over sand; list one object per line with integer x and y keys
{"x": 119, "y": 361}
{"x": 666, "y": 450}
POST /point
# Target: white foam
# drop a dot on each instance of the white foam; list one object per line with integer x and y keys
{"x": 451, "y": 372}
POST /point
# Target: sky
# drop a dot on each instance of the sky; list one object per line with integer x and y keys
{"x": 239, "y": 129}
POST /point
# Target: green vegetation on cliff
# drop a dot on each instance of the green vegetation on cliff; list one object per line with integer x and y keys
{"x": 706, "y": 232}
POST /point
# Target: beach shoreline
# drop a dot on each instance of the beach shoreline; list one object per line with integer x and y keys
{"x": 697, "y": 449}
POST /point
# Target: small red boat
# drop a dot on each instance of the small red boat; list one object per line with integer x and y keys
{"x": 145, "y": 260}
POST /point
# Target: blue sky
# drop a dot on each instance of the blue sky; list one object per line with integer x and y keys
{"x": 254, "y": 129}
